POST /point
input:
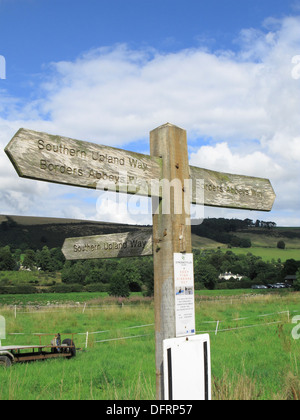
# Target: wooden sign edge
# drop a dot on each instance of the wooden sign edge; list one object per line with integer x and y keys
{"x": 247, "y": 178}
{"x": 153, "y": 160}
{"x": 70, "y": 242}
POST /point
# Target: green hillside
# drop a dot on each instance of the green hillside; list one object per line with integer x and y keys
{"x": 263, "y": 239}
{"x": 259, "y": 240}
{"x": 269, "y": 254}
{"x": 269, "y": 239}
{"x": 34, "y": 232}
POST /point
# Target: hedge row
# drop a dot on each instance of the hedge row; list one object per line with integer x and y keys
{"x": 58, "y": 288}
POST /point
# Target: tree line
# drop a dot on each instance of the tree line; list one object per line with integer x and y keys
{"x": 210, "y": 264}
{"x": 120, "y": 277}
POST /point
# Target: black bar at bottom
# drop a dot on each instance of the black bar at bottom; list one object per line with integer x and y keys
{"x": 205, "y": 370}
{"x": 170, "y": 379}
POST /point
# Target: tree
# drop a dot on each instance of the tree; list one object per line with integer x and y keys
{"x": 126, "y": 279}
{"x": 297, "y": 282}
{"x": 29, "y": 259}
{"x": 290, "y": 267}
{"x": 149, "y": 283}
{"x": 7, "y": 262}
{"x": 94, "y": 276}
{"x": 145, "y": 267}
{"x": 107, "y": 268}
{"x": 245, "y": 243}
{"x": 119, "y": 287}
{"x": 128, "y": 270}
{"x": 73, "y": 273}
{"x": 44, "y": 260}
{"x": 206, "y": 274}
{"x": 58, "y": 258}
{"x": 281, "y": 245}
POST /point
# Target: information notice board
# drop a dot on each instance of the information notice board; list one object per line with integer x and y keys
{"x": 184, "y": 294}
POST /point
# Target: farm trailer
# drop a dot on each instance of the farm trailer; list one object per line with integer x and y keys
{"x": 20, "y": 354}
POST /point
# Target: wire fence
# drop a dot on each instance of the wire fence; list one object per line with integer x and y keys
{"x": 84, "y": 307}
{"x": 285, "y": 317}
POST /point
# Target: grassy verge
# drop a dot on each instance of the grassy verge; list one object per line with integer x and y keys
{"x": 253, "y": 356}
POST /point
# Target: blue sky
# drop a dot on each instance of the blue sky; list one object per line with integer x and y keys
{"x": 35, "y": 33}
{"x": 109, "y": 71}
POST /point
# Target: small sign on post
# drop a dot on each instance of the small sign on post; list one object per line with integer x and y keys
{"x": 184, "y": 294}
{"x": 187, "y": 368}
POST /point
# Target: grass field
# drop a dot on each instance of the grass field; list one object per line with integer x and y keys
{"x": 29, "y": 277}
{"x": 254, "y": 355}
{"x": 262, "y": 246}
{"x": 271, "y": 239}
{"x": 269, "y": 254}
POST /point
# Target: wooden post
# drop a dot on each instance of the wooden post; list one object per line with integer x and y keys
{"x": 171, "y": 233}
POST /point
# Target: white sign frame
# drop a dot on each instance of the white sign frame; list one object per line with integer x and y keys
{"x": 187, "y": 368}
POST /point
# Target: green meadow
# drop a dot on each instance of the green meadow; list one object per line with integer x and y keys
{"x": 269, "y": 254}
{"x": 254, "y": 355}
{"x": 264, "y": 246}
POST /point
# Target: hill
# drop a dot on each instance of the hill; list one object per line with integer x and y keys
{"x": 262, "y": 239}
{"x": 269, "y": 239}
{"x": 35, "y": 232}
{"x": 245, "y": 234}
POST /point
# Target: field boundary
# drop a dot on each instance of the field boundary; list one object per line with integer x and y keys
{"x": 215, "y": 331}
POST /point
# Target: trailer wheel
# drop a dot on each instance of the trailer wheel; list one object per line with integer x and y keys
{"x": 71, "y": 349}
{"x": 5, "y": 361}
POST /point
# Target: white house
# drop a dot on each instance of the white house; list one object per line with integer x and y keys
{"x": 229, "y": 276}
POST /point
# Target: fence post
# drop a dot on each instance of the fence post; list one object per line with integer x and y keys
{"x": 86, "y": 339}
{"x": 218, "y": 322}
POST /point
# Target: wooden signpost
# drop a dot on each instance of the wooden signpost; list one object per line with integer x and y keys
{"x": 118, "y": 245}
{"x": 166, "y": 177}
{"x": 66, "y": 161}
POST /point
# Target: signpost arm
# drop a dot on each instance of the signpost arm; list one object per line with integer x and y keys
{"x": 171, "y": 232}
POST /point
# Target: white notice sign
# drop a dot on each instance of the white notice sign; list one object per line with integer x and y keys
{"x": 187, "y": 368}
{"x": 184, "y": 294}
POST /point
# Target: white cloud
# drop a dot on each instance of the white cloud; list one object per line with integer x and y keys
{"x": 118, "y": 97}
{"x": 220, "y": 158}
{"x": 284, "y": 180}
{"x": 241, "y": 110}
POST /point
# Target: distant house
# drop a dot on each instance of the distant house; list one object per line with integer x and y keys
{"x": 229, "y": 276}
{"x": 290, "y": 279}
{"x": 22, "y": 268}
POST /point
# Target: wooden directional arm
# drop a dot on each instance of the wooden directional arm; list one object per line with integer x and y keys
{"x": 62, "y": 160}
